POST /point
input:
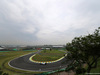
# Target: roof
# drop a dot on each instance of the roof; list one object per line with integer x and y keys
{"x": 58, "y": 46}
{"x": 1, "y": 48}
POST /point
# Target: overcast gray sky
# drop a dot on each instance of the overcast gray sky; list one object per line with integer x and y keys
{"x": 36, "y": 22}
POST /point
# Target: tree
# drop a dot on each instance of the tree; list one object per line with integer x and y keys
{"x": 50, "y": 49}
{"x": 85, "y": 49}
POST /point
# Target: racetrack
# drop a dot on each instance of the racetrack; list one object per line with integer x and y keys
{"x": 23, "y": 63}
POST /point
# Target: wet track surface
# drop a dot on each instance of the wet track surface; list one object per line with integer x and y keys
{"x": 24, "y": 63}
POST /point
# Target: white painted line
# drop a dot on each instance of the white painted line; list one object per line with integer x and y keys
{"x": 33, "y": 61}
{"x": 20, "y": 68}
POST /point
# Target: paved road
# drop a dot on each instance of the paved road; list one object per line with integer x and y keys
{"x": 24, "y": 63}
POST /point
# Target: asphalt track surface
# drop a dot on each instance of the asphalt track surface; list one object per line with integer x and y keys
{"x": 23, "y": 63}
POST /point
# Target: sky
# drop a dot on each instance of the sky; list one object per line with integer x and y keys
{"x": 47, "y": 22}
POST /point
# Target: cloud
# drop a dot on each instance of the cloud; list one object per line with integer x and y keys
{"x": 34, "y": 22}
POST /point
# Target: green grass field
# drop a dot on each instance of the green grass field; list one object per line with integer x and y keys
{"x": 48, "y": 55}
{"x": 5, "y": 57}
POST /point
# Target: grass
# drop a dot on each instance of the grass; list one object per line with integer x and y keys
{"x": 48, "y": 55}
{"x": 96, "y": 70}
{"x": 5, "y": 57}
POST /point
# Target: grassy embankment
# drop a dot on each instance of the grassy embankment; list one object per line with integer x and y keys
{"x": 5, "y": 57}
{"x": 96, "y": 70}
{"x": 48, "y": 55}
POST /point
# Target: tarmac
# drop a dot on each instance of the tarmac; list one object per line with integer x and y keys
{"x": 23, "y": 63}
